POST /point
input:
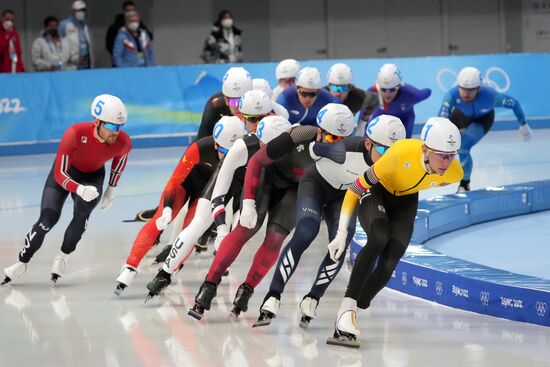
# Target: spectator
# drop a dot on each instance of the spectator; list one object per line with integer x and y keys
{"x": 133, "y": 46}
{"x": 224, "y": 43}
{"x": 118, "y": 23}
{"x": 75, "y": 30}
{"x": 50, "y": 52}
{"x": 10, "y": 45}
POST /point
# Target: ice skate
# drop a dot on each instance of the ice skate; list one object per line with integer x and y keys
{"x": 58, "y": 267}
{"x": 158, "y": 284}
{"x": 308, "y": 307}
{"x": 268, "y": 311}
{"x": 240, "y": 303}
{"x": 14, "y": 271}
{"x": 203, "y": 300}
{"x": 464, "y": 186}
{"x": 162, "y": 255}
{"x": 345, "y": 328}
{"x": 125, "y": 278}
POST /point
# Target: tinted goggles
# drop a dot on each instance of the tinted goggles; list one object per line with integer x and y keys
{"x": 233, "y": 102}
{"x": 339, "y": 88}
{"x": 381, "y": 149}
{"x": 308, "y": 94}
{"x": 111, "y": 127}
{"x": 442, "y": 155}
{"x": 389, "y": 90}
{"x": 330, "y": 138}
{"x": 253, "y": 118}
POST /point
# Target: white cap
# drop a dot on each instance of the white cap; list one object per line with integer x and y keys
{"x": 469, "y": 78}
{"x": 385, "y": 130}
{"x": 255, "y": 102}
{"x": 263, "y": 85}
{"x": 227, "y": 130}
{"x": 287, "y": 68}
{"x": 441, "y": 135}
{"x": 78, "y": 5}
{"x": 336, "y": 119}
{"x": 389, "y": 76}
{"x": 340, "y": 74}
{"x": 309, "y": 78}
{"x": 236, "y": 82}
{"x": 109, "y": 108}
{"x": 270, "y": 127}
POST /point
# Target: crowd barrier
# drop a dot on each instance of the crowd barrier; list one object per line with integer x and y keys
{"x": 165, "y": 103}
{"x": 428, "y": 274}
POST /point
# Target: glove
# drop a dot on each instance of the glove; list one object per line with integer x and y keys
{"x": 525, "y": 132}
{"x": 108, "y": 198}
{"x": 249, "y": 216}
{"x": 164, "y": 220}
{"x": 222, "y": 232}
{"x": 87, "y": 193}
{"x": 337, "y": 246}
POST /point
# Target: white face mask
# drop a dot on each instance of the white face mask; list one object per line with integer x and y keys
{"x": 80, "y": 15}
{"x": 8, "y": 24}
{"x": 133, "y": 26}
{"x": 227, "y": 23}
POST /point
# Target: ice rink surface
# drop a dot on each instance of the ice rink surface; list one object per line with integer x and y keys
{"x": 79, "y": 322}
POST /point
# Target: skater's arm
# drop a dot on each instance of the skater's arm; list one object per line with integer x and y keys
{"x": 447, "y": 105}
{"x": 63, "y": 161}
{"x": 235, "y": 158}
{"x": 182, "y": 170}
{"x": 253, "y": 172}
{"x": 419, "y": 95}
{"x": 503, "y": 100}
{"x": 119, "y": 163}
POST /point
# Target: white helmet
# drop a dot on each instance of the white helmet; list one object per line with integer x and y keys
{"x": 226, "y": 131}
{"x": 270, "y": 127}
{"x": 389, "y": 76}
{"x": 309, "y": 78}
{"x": 287, "y": 68}
{"x": 337, "y": 119}
{"x": 255, "y": 102}
{"x": 109, "y": 108}
{"x": 469, "y": 78}
{"x": 236, "y": 82}
{"x": 263, "y": 85}
{"x": 385, "y": 130}
{"x": 339, "y": 74}
{"x": 441, "y": 134}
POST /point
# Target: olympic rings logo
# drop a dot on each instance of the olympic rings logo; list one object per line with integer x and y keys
{"x": 439, "y": 288}
{"x": 494, "y": 77}
{"x": 484, "y": 298}
{"x": 541, "y": 308}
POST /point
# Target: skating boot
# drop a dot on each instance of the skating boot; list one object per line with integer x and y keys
{"x": 161, "y": 256}
{"x": 307, "y": 309}
{"x": 464, "y": 186}
{"x": 158, "y": 284}
{"x": 125, "y": 278}
{"x": 14, "y": 271}
{"x": 268, "y": 311}
{"x": 240, "y": 304}
{"x": 146, "y": 215}
{"x": 58, "y": 267}
{"x": 345, "y": 328}
{"x": 202, "y": 242}
{"x": 203, "y": 300}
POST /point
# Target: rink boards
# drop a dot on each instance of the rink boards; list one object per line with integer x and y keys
{"x": 434, "y": 276}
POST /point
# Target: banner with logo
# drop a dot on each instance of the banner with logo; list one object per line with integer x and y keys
{"x": 167, "y": 102}
{"x": 425, "y": 273}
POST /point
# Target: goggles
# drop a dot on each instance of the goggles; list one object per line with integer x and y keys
{"x": 222, "y": 149}
{"x": 339, "y": 88}
{"x": 389, "y": 90}
{"x": 308, "y": 94}
{"x": 253, "y": 118}
{"x": 330, "y": 138}
{"x": 291, "y": 81}
{"x": 233, "y": 102}
{"x": 111, "y": 127}
{"x": 442, "y": 155}
{"x": 381, "y": 149}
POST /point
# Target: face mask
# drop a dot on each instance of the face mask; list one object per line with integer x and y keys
{"x": 53, "y": 33}
{"x": 227, "y": 23}
{"x": 8, "y": 24}
{"x": 80, "y": 15}
{"x": 133, "y": 26}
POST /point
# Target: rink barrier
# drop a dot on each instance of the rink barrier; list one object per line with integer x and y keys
{"x": 165, "y": 102}
{"x": 428, "y": 274}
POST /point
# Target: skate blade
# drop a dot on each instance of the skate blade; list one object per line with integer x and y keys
{"x": 119, "y": 289}
{"x": 195, "y": 314}
{"x": 54, "y": 279}
{"x": 6, "y": 281}
{"x": 344, "y": 342}
{"x": 225, "y": 273}
{"x": 264, "y": 322}
{"x": 234, "y": 315}
{"x": 304, "y": 324}
{"x": 149, "y": 297}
